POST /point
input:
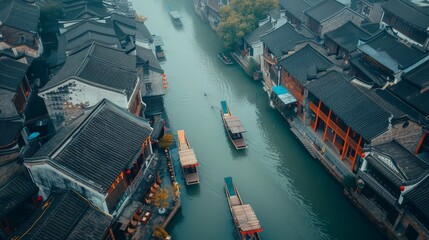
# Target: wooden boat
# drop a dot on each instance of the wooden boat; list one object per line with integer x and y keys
{"x": 175, "y": 16}
{"x": 233, "y": 127}
{"x": 225, "y": 59}
{"x": 188, "y": 160}
{"x": 245, "y": 220}
{"x": 158, "y": 43}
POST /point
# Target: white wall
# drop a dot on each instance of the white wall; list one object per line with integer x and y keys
{"x": 46, "y": 177}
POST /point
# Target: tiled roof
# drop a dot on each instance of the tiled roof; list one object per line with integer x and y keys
{"x": 67, "y": 215}
{"x": 88, "y": 31}
{"x": 282, "y": 40}
{"x": 83, "y": 9}
{"x": 402, "y": 106}
{"x": 347, "y": 36}
{"x": 371, "y": 28}
{"x": 154, "y": 105}
{"x": 12, "y": 73}
{"x": 324, "y": 10}
{"x": 254, "y": 36}
{"x": 351, "y": 105}
{"x": 100, "y": 65}
{"x": 408, "y": 11}
{"x": 419, "y": 197}
{"x": 9, "y": 131}
{"x": 374, "y": 75}
{"x": 401, "y": 165}
{"x": 296, "y": 7}
{"x": 15, "y": 192}
{"x": 144, "y": 54}
{"x": 143, "y": 32}
{"x": 413, "y": 95}
{"x": 304, "y": 63}
{"x": 100, "y": 147}
{"x": 19, "y": 15}
{"x": 419, "y": 76}
{"x": 128, "y": 21}
{"x": 390, "y": 52}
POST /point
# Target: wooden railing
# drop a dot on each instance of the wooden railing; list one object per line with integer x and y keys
{"x": 350, "y": 141}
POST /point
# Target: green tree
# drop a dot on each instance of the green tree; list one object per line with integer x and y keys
{"x": 160, "y": 233}
{"x": 161, "y": 198}
{"x": 51, "y": 10}
{"x": 166, "y": 141}
{"x": 241, "y": 17}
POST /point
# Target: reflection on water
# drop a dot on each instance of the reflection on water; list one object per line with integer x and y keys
{"x": 291, "y": 193}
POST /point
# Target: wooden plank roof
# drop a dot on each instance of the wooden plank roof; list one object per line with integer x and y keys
{"x": 186, "y": 153}
{"x": 234, "y": 124}
{"x": 188, "y": 157}
{"x": 246, "y": 218}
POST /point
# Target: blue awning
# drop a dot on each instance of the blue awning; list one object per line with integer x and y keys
{"x": 279, "y": 90}
{"x": 284, "y": 95}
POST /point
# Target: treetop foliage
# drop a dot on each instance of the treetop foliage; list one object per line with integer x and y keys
{"x": 241, "y": 17}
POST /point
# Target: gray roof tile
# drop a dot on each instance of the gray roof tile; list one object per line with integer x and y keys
{"x": 408, "y": 11}
{"x": 304, "y": 63}
{"x": 12, "y": 73}
{"x": 324, "y": 10}
{"x": 254, "y": 36}
{"x": 296, "y": 7}
{"x": 419, "y": 197}
{"x": 282, "y": 39}
{"x": 390, "y": 52}
{"x": 20, "y": 15}
{"x": 100, "y": 147}
{"x": 67, "y": 216}
{"x": 347, "y": 36}
{"x": 100, "y": 65}
{"x": 15, "y": 192}
{"x": 350, "y": 104}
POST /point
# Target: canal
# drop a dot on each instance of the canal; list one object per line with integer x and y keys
{"x": 291, "y": 193}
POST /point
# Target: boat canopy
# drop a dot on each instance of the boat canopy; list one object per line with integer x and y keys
{"x": 157, "y": 40}
{"x": 234, "y": 125}
{"x": 175, "y": 14}
{"x": 246, "y": 219}
{"x": 188, "y": 158}
{"x": 224, "y": 107}
{"x": 230, "y": 186}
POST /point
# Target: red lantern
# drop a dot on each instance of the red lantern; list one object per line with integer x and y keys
{"x": 164, "y": 75}
{"x": 39, "y": 198}
{"x": 362, "y": 155}
{"x": 402, "y": 188}
{"x": 128, "y": 171}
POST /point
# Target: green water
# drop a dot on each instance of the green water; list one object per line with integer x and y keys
{"x": 291, "y": 193}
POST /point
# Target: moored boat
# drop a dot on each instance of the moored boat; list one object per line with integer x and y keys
{"x": 175, "y": 16}
{"x": 225, "y": 59}
{"x": 245, "y": 220}
{"x": 188, "y": 159}
{"x": 233, "y": 127}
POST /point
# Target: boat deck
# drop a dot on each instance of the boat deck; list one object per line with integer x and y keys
{"x": 188, "y": 159}
{"x": 192, "y": 178}
{"x": 239, "y": 143}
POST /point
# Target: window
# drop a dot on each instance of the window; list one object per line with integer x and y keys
{"x": 148, "y": 87}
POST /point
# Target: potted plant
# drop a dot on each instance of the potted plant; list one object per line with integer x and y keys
{"x": 161, "y": 200}
{"x": 160, "y": 233}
